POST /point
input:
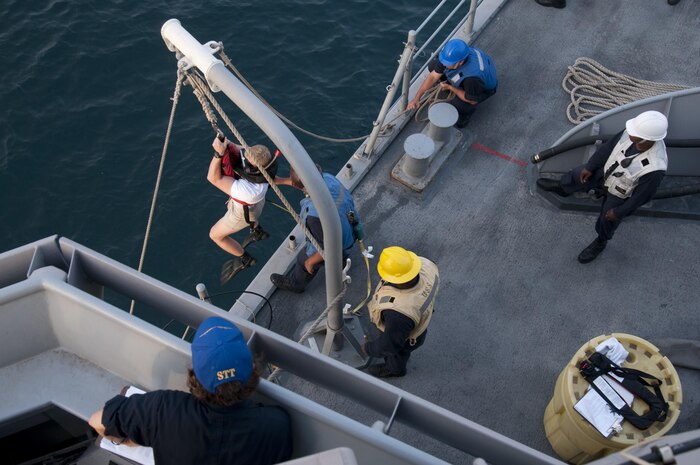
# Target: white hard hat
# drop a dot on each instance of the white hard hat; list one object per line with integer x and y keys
{"x": 650, "y": 125}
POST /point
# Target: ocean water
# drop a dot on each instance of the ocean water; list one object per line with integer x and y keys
{"x": 85, "y": 100}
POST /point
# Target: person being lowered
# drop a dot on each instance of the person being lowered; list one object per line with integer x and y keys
{"x": 234, "y": 171}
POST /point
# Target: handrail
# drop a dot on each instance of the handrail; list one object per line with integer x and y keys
{"x": 90, "y": 271}
{"x": 403, "y": 72}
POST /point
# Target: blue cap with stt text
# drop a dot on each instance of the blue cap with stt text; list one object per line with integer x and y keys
{"x": 220, "y": 354}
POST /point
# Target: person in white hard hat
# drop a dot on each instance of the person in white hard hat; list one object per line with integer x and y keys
{"x": 629, "y": 167}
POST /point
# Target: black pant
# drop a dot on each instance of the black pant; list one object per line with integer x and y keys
{"x": 299, "y": 276}
{"x": 570, "y": 182}
{"x": 474, "y": 90}
{"x": 396, "y": 361}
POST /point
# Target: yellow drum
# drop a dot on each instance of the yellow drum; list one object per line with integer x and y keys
{"x": 577, "y": 441}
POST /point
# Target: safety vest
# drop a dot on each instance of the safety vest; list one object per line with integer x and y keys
{"x": 232, "y": 165}
{"x": 620, "y": 181}
{"x": 478, "y": 64}
{"x": 417, "y": 303}
{"x": 343, "y": 202}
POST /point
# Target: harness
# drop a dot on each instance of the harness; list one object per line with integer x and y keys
{"x": 233, "y": 164}
{"x": 634, "y": 381}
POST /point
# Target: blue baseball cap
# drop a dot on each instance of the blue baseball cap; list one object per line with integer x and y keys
{"x": 220, "y": 354}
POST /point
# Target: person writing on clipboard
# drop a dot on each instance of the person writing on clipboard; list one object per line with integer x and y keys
{"x": 215, "y": 422}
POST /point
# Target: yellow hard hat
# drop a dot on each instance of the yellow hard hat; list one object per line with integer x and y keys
{"x": 398, "y": 265}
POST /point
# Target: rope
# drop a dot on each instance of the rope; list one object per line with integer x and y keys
{"x": 206, "y": 108}
{"x": 202, "y": 86}
{"x": 356, "y": 310}
{"x": 175, "y": 99}
{"x": 594, "y": 89}
{"x": 228, "y": 63}
{"x": 199, "y": 86}
{"x": 430, "y": 97}
{"x": 314, "y": 326}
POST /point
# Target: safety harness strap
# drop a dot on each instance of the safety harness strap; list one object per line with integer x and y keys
{"x": 634, "y": 381}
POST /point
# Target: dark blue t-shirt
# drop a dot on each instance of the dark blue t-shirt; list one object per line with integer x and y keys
{"x": 183, "y": 430}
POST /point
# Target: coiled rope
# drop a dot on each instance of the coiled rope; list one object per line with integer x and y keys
{"x": 166, "y": 142}
{"x": 429, "y": 98}
{"x": 594, "y": 89}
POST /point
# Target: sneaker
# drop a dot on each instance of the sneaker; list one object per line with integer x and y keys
{"x": 592, "y": 251}
{"x": 283, "y": 282}
{"x": 257, "y": 234}
{"x": 234, "y": 266}
{"x": 380, "y": 371}
{"x": 552, "y": 185}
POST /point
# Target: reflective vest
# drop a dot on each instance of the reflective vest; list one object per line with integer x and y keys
{"x": 343, "y": 202}
{"x": 232, "y": 165}
{"x": 417, "y": 303}
{"x": 478, "y": 64}
{"x": 620, "y": 181}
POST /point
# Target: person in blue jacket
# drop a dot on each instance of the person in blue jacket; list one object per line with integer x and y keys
{"x": 466, "y": 71}
{"x": 309, "y": 260}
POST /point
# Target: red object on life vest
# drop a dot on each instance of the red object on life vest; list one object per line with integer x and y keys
{"x": 231, "y": 158}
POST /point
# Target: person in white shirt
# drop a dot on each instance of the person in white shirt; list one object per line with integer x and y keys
{"x": 233, "y": 170}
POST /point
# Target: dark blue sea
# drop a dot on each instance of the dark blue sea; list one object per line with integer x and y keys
{"x": 85, "y": 101}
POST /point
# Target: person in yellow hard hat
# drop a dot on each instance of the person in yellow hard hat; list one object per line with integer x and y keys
{"x": 401, "y": 308}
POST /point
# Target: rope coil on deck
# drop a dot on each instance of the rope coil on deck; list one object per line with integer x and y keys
{"x": 594, "y": 89}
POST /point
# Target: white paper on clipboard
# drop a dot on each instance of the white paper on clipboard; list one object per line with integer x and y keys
{"x": 140, "y": 454}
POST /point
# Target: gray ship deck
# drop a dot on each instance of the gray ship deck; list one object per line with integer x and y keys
{"x": 514, "y": 304}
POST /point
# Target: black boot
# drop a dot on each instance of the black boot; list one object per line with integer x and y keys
{"x": 380, "y": 371}
{"x": 283, "y": 282}
{"x": 673, "y": 2}
{"x": 552, "y": 3}
{"x": 256, "y": 234}
{"x": 237, "y": 264}
{"x": 463, "y": 122}
{"x": 552, "y": 185}
{"x": 592, "y": 251}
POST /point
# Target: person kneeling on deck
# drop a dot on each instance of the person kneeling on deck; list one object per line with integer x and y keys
{"x": 234, "y": 171}
{"x": 466, "y": 71}
{"x": 215, "y": 422}
{"x": 630, "y": 167}
{"x": 309, "y": 260}
{"x": 401, "y": 308}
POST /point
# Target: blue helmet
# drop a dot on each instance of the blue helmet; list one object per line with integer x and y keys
{"x": 453, "y": 52}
